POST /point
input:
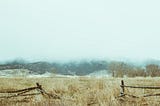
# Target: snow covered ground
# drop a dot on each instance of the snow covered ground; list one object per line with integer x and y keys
{"x": 14, "y": 72}
{"x": 99, "y": 74}
{"x": 25, "y": 73}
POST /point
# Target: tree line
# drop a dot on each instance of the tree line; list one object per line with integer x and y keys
{"x": 121, "y": 69}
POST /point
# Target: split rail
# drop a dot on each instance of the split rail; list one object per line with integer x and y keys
{"x": 25, "y": 92}
{"x": 123, "y": 86}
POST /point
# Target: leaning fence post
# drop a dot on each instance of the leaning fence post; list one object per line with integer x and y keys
{"x": 40, "y": 88}
{"x": 122, "y": 88}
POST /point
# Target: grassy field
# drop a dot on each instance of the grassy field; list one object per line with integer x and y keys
{"x": 81, "y": 91}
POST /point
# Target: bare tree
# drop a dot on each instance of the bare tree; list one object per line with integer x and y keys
{"x": 153, "y": 70}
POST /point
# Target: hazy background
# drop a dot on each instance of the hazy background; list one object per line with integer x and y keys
{"x": 71, "y": 29}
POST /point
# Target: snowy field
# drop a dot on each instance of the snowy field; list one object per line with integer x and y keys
{"x": 25, "y": 73}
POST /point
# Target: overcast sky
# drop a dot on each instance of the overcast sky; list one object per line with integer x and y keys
{"x": 76, "y": 29}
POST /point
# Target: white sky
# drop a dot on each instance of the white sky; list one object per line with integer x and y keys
{"x": 76, "y": 29}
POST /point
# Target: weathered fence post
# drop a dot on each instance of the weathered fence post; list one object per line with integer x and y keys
{"x": 40, "y": 88}
{"x": 122, "y": 88}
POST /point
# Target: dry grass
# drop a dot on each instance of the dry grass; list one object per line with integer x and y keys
{"x": 80, "y": 91}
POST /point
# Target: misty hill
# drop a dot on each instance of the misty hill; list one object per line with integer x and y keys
{"x": 113, "y": 68}
{"x": 71, "y": 68}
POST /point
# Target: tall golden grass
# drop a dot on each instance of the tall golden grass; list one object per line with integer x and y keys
{"x": 81, "y": 91}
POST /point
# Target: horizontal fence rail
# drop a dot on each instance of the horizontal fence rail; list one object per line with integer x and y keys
{"x": 16, "y": 91}
{"x": 143, "y": 87}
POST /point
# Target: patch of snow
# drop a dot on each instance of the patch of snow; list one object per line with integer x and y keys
{"x": 14, "y": 72}
{"x": 99, "y": 74}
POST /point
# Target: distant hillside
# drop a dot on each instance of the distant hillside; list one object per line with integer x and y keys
{"x": 71, "y": 68}
{"x": 80, "y": 68}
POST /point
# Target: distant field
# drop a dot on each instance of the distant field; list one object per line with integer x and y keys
{"x": 80, "y": 91}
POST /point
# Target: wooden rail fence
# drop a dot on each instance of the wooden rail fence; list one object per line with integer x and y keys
{"x": 123, "y": 86}
{"x": 24, "y": 92}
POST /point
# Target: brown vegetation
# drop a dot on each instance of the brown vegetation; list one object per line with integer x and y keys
{"x": 81, "y": 91}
